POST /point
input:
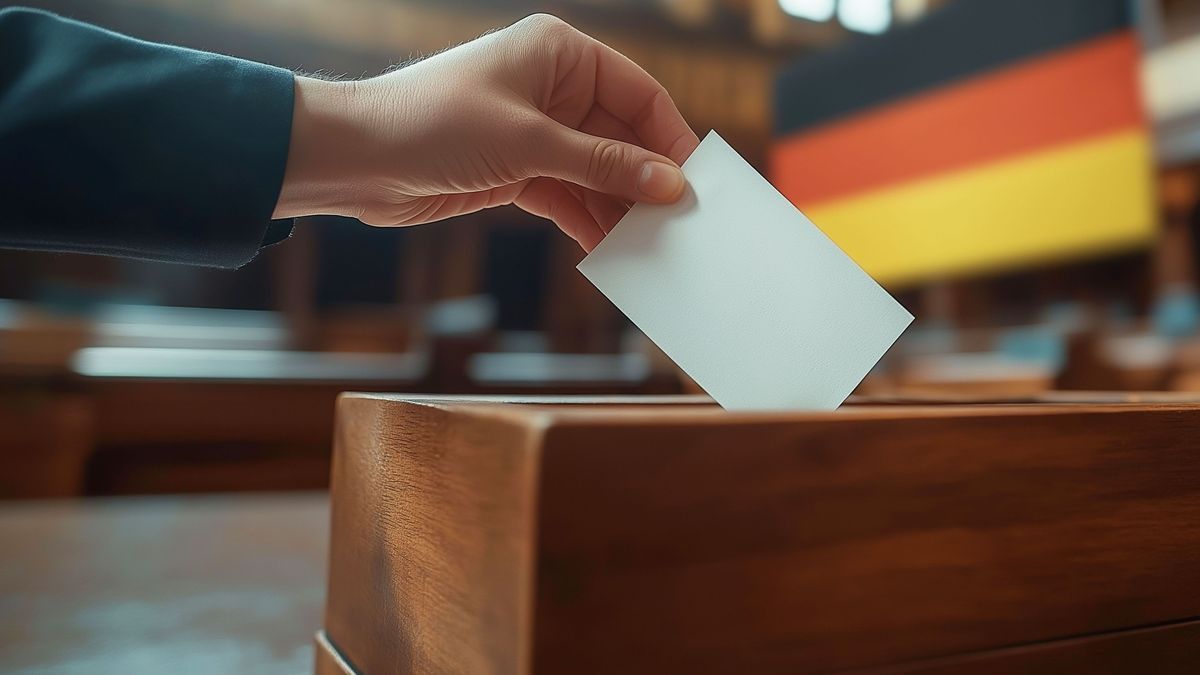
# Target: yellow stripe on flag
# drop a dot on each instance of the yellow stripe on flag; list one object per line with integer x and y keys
{"x": 1074, "y": 200}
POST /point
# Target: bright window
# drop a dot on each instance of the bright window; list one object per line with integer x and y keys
{"x": 813, "y": 10}
{"x": 864, "y": 16}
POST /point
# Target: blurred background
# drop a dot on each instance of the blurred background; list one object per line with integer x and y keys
{"x": 1022, "y": 175}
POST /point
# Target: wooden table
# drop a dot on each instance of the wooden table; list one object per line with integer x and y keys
{"x": 568, "y": 536}
{"x": 162, "y": 584}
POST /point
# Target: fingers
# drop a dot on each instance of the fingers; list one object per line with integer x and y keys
{"x": 600, "y": 122}
{"x": 551, "y": 199}
{"x": 605, "y": 210}
{"x": 638, "y": 100}
{"x": 611, "y": 167}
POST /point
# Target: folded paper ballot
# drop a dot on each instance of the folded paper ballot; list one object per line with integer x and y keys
{"x": 738, "y": 287}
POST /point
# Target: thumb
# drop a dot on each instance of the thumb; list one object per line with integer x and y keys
{"x": 612, "y": 167}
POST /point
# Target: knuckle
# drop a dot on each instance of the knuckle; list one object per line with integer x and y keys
{"x": 553, "y": 213}
{"x": 544, "y": 21}
{"x": 605, "y": 162}
{"x": 541, "y": 37}
{"x": 373, "y": 218}
{"x": 545, "y": 26}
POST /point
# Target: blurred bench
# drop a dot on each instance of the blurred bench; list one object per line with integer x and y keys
{"x": 185, "y": 400}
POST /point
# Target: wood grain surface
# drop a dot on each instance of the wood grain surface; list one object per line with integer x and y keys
{"x": 1170, "y": 649}
{"x": 490, "y": 537}
{"x": 431, "y": 580}
{"x": 133, "y": 586}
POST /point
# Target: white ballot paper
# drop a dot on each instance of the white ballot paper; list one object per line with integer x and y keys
{"x": 751, "y": 300}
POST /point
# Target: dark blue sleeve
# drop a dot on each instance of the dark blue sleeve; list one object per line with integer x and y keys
{"x": 116, "y": 146}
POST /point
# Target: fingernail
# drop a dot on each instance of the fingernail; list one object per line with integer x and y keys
{"x": 660, "y": 181}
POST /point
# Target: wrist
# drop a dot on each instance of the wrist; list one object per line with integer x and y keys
{"x": 320, "y": 176}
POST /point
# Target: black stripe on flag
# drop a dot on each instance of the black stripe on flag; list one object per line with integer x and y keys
{"x": 961, "y": 39}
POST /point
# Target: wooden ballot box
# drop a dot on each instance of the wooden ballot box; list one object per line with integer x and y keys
{"x": 576, "y": 536}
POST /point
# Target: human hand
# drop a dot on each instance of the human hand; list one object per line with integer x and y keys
{"x": 538, "y": 115}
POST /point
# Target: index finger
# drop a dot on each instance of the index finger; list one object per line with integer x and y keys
{"x": 631, "y": 95}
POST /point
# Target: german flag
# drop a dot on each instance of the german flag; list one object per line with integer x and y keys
{"x": 993, "y": 134}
